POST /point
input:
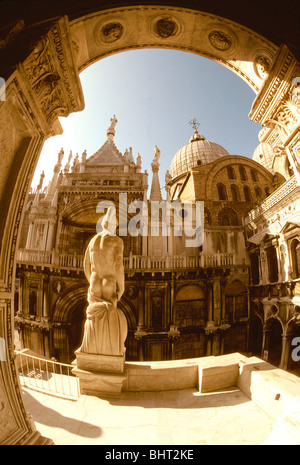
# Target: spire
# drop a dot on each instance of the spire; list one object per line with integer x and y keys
{"x": 111, "y": 130}
{"x": 155, "y": 187}
{"x": 52, "y": 185}
{"x": 39, "y": 187}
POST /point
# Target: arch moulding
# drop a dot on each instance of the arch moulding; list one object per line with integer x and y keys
{"x": 46, "y": 85}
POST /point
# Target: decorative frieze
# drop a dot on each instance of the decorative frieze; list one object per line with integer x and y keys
{"x": 51, "y": 75}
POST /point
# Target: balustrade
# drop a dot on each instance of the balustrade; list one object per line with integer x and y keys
{"x": 133, "y": 262}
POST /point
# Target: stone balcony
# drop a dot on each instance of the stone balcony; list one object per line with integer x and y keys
{"x": 53, "y": 260}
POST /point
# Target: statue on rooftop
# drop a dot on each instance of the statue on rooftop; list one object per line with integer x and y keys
{"x": 156, "y": 154}
{"x": 106, "y": 326}
{"x": 113, "y": 122}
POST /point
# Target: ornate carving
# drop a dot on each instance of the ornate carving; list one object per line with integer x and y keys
{"x": 111, "y": 32}
{"x": 48, "y": 70}
{"x": 261, "y": 66}
{"x": 165, "y": 27}
{"x": 220, "y": 40}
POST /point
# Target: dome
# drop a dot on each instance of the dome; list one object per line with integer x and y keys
{"x": 198, "y": 151}
{"x": 264, "y": 154}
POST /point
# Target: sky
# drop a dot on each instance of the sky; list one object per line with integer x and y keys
{"x": 154, "y": 94}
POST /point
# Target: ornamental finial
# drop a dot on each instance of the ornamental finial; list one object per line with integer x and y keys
{"x": 195, "y": 124}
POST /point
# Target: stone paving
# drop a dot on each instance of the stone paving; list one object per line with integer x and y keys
{"x": 183, "y": 417}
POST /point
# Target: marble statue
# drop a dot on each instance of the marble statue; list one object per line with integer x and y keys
{"x": 156, "y": 154}
{"x": 106, "y": 326}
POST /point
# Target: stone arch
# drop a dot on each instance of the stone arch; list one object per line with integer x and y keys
{"x": 131, "y": 343}
{"x": 182, "y": 29}
{"x": 68, "y": 319}
{"x": 32, "y": 107}
{"x": 233, "y": 161}
{"x": 228, "y": 217}
{"x": 190, "y": 306}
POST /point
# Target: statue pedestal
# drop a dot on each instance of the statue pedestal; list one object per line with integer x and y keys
{"x": 100, "y": 375}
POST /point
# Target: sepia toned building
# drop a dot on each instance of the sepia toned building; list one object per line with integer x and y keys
{"x": 180, "y": 301}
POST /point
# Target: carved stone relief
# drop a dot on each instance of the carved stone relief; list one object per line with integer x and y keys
{"x": 110, "y": 31}
{"x": 220, "y": 40}
{"x": 165, "y": 27}
{"x": 48, "y": 69}
{"x": 262, "y": 65}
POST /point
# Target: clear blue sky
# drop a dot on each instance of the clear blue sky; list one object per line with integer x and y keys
{"x": 154, "y": 94}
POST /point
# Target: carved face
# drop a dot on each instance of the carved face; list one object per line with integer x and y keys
{"x": 165, "y": 27}
{"x": 112, "y": 32}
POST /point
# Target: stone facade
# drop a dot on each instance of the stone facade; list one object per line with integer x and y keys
{"x": 180, "y": 301}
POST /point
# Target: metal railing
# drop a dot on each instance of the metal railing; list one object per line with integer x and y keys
{"x": 47, "y": 376}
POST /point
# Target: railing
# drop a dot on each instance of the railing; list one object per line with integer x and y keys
{"x": 146, "y": 262}
{"x": 47, "y": 376}
{"x": 272, "y": 200}
{"x": 133, "y": 262}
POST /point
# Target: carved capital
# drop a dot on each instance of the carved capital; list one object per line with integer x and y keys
{"x": 50, "y": 74}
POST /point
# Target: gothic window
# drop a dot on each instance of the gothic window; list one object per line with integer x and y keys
{"x": 258, "y": 193}
{"x": 254, "y": 176}
{"x": 243, "y": 174}
{"x": 190, "y": 307}
{"x": 272, "y": 264}
{"x": 228, "y": 217}
{"x": 222, "y": 191}
{"x": 247, "y": 194}
{"x": 230, "y": 172}
{"x": 295, "y": 253}
{"x": 267, "y": 191}
{"x": 235, "y": 193}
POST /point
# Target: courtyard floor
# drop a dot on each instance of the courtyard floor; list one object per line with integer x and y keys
{"x": 184, "y": 417}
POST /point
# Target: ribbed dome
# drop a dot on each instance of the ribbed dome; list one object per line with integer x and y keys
{"x": 264, "y": 154}
{"x": 198, "y": 151}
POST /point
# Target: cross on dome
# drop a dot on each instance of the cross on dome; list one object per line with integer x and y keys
{"x": 194, "y": 123}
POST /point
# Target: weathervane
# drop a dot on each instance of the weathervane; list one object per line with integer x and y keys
{"x": 194, "y": 123}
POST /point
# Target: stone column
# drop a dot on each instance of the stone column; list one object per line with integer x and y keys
{"x": 46, "y": 85}
{"x": 286, "y": 344}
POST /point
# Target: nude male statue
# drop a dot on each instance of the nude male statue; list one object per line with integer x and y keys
{"x": 106, "y": 325}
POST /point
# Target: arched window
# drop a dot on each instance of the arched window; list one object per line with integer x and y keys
{"x": 247, "y": 194}
{"x": 243, "y": 174}
{"x": 272, "y": 264}
{"x": 267, "y": 191}
{"x": 222, "y": 191}
{"x": 258, "y": 193}
{"x": 228, "y": 217}
{"x": 254, "y": 176}
{"x": 235, "y": 193}
{"x": 230, "y": 172}
{"x": 295, "y": 255}
{"x": 32, "y": 303}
